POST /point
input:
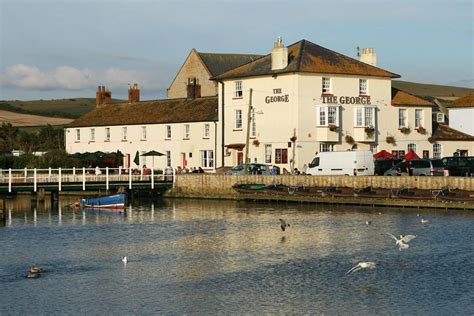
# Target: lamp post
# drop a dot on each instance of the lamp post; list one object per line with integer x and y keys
{"x": 247, "y": 140}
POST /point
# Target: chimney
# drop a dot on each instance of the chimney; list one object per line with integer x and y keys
{"x": 193, "y": 88}
{"x": 279, "y": 55}
{"x": 134, "y": 93}
{"x": 102, "y": 96}
{"x": 368, "y": 56}
{"x": 98, "y": 96}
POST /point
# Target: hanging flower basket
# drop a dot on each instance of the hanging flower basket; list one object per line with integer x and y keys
{"x": 431, "y": 139}
{"x": 293, "y": 139}
{"x": 369, "y": 129}
{"x": 405, "y": 130}
{"x": 256, "y": 142}
{"x": 390, "y": 140}
{"x": 333, "y": 128}
{"x": 421, "y": 130}
{"x": 349, "y": 139}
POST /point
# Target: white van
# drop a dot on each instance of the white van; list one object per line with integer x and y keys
{"x": 351, "y": 163}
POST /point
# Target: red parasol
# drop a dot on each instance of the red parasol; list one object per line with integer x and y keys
{"x": 411, "y": 156}
{"x": 383, "y": 154}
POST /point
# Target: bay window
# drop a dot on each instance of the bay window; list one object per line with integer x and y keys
{"x": 364, "y": 117}
{"x": 327, "y": 115}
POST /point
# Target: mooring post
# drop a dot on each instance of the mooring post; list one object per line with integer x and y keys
{"x": 34, "y": 180}
{"x": 9, "y": 180}
{"x": 83, "y": 178}
{"x": 59, "y": 180}
{"x": 152, "y": 179}
{"x": 107, "y": 178}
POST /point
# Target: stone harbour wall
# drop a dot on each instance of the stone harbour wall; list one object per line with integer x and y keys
{"x": 220, "y": 186}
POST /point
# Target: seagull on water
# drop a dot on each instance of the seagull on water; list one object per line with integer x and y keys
{"x": 35, "y": 269}
{"x": 283, "y": 224}
{"x": 424, "y": 221}
{"x": 362, "y": 265}
{"x": 368, "y": 222}
{"x": 125, "y": 259}
{"x": 402, "y": 243}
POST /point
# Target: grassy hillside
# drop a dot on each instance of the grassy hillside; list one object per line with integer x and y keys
{"x": 432, "y": 90}
{"x": 20, "y": 119}
{"x": 66, "y": 108}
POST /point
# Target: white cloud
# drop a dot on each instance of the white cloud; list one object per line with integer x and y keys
{"x": 71, "y": 78}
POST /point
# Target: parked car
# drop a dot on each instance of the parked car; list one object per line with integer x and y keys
{"x": 350, "y": 162}
{"x": 382, "y": 165}
{"x": 254, "y": 168}
{"x": 418, "y": 167}
{"x": 460, "y": 166}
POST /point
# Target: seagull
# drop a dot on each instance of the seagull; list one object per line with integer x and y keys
{"x": 424, "y": 221}
{"x": 402, "y": 243}
{"x": 368, "y": 222}
{"x": 125, "y": 259}
{"x": 35, "y": 269}
{"x": 361, "y": 265}
{"x": 283, "y": 224}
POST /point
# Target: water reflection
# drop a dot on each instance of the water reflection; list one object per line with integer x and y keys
{"x": 200, "y": 257}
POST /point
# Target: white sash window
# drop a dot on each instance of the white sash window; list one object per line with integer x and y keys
{"x": 364, "y": 117}
{"x": 327, "y": 115}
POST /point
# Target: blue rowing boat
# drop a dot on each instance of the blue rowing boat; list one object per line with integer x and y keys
{"x": 115, "y": 201}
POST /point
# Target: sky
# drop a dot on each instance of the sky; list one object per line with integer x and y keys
{"x": 52, "y": 49}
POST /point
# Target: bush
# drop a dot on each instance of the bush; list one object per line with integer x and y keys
{"x": 58, "y": 158}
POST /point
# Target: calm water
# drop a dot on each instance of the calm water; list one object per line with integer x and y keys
{"x": 208, "y": 257}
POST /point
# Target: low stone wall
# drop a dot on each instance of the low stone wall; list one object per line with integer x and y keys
{"x": 220, "y": 186}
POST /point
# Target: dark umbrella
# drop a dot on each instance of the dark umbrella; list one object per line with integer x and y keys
{"x": 153, "y": 153}
{"x": 136, "y": 160}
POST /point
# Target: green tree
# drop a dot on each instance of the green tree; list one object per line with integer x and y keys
{"x": 28, "y": 142}
{"x": 8, "y": 135}
{"x": 51, "y": 138}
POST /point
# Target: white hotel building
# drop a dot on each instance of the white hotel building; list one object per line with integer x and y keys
{"x": 302, "y": 99}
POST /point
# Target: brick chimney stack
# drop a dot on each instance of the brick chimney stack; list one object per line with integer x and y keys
{"x": 134, "y": 93}
{"x": 103, "y": 96}
{"x": 193, "y": 88}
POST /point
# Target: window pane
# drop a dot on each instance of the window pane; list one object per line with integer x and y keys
{"x": 359, "y": 117}
{"x": 268, "y": 153}
{"x": 238, "y": 119}
{"x": 332, "y": 115}
{"x": 402, "y": 118}
{"x": 369, "y": 118}
{"x": 362, "y": 86}
{"x": 418, "y": 118}
{"x": 326, "y": 85}
{"x": 238, "y": 89}
{"x": 322, "y": 116}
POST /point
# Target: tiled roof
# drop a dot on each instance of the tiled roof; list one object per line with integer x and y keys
{"x": 220, "y": 63}
{"x": 402, "y": 98}
{"x": 151, "y": 112}
{"x": 444, "y": 132}
{"x": 305, "y": 56}
{"x": 464, "y": 102}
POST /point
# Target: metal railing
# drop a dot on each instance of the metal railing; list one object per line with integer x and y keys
{"x": 84, "y": 175}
